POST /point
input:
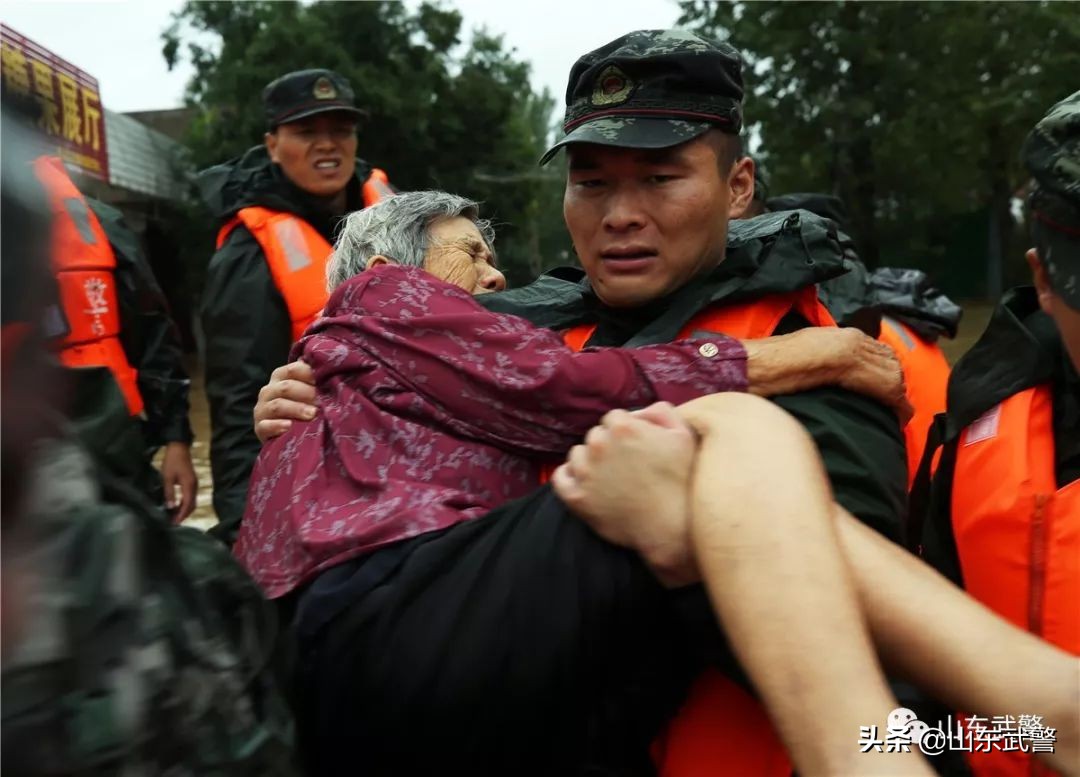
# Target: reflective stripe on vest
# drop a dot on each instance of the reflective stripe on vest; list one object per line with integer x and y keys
{"x": 376, "y": 187}
{"x": 296, "y": 255}
{"x": 1017, "y": 534}
{"x": 85, "y": 269}
{"x": 721, "y": 729}
{"x": 926, "y": 377}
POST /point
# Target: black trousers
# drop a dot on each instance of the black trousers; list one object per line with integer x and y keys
{"x": 519, "y": 643}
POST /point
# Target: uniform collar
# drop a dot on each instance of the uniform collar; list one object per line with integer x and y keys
{"x": 1020, "y": 348}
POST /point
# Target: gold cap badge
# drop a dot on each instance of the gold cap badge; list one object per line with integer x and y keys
{"x": 324, "y": 89}
{"x": 611, "y": 87}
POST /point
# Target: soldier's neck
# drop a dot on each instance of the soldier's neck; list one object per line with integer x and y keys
{"x": 337, "y": 204}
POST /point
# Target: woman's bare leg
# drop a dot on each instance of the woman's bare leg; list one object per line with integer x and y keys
{"x": 779, "y": 582}
{"x": 950, "y": 645}
{"x": 922, "y": 626}
{"x": 793, "y": 578}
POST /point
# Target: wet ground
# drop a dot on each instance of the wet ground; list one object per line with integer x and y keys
{"x": 203, "y": 517}
{"x": 974, "y": 322}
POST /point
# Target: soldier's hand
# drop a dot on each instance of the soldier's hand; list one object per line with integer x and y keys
{"x": 288, "y": 397}
{"x": 178, "y": 474}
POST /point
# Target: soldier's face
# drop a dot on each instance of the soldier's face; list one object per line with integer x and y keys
{"x": 318, "y": 153}
{"x": 646, "y": 221}
{"x": 1066, "y": 318}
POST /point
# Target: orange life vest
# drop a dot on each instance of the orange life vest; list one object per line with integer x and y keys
{"x": 376, "y": 187}
{"x": 85, "y": 269}
{"x": 296, "y": 253}
{"x": 926, "y": 375}
{"x": 721, "y": 729}
{"x": 1018, "y": 535}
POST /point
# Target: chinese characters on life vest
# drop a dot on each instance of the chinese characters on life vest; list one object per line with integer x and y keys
{"x": 97, "y": 298}
{"x": 70, "y": 104}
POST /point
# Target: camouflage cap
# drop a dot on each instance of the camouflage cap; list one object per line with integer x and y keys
{"x": 1052, "y": 156}
{"x": 652, "y": 89}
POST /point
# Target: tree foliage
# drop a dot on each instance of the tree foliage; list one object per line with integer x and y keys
{"x": 442, "y": 114}
{"x": 913, "y": 113}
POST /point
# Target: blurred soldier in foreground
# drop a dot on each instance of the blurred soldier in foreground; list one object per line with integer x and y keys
{"x": 111, "y": 313}
{"x": 130, "y": 646}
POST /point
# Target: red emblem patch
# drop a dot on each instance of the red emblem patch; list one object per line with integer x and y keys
{"x": 613, "y": 84}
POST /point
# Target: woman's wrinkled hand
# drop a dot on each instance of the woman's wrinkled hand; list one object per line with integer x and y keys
{"x": 874, "y": 370}
{"x": 827, "y": 356}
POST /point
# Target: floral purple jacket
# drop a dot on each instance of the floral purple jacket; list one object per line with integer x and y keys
{"x": 432, "y": 411}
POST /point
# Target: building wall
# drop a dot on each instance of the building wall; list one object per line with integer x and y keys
{"x": 173, "y": 122}
{"x": 145, "y": 161}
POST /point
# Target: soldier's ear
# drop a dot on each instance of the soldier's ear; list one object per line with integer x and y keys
{"x": 1041, "y": 279}
{"x": 741, "y": 182}
{"x": 271, "y": 140}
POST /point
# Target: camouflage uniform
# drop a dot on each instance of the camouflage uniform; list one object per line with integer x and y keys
{"x": 147, "y": 649}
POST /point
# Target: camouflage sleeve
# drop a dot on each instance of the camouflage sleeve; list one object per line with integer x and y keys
{"x": 145, "y": 648}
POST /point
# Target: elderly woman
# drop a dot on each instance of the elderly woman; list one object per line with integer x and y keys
{"x": 412, "y": 618}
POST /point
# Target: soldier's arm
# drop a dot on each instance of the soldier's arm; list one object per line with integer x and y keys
{"x": 862, "y": 446}
{"x": 248, "y": 334}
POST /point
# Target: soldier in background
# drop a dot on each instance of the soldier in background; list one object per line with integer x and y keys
{"x": 111, "y": 313}
{"x": 900, "y": 307}
{"x": 1001, "y": 514}
{"x": 915, "y": 315}
{"x": 277, "y": 207}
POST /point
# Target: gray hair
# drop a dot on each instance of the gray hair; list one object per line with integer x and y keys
{"x": 397, "y": 228}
